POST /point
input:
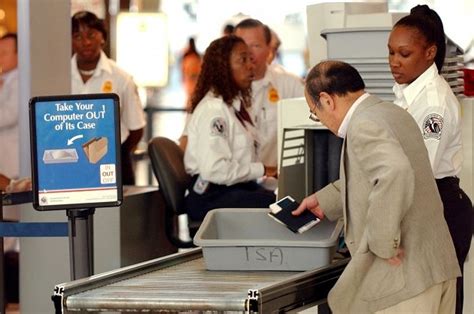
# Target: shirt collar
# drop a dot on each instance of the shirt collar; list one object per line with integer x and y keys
{"x": 7, "y": 75}
{"x": 236, "y": 103}
{"x": 345, "y": 122}
{"x": 406, "y": 93}
{"x": 102, "y": 65}
{"x": 264, "y": 81}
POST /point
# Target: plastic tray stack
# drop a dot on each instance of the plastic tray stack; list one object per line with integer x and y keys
{"x": 452, "y": 72}
{"x": 365, "y": 48}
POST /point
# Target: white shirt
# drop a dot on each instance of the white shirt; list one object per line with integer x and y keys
{"x": 347, "y": 118}
{"x": 430, "y": 100}
{"x": 266, "y": 93}
{"x": 9, "y": 132}
{"x": 220, "y": 149}
{"x": 109, "y": 78}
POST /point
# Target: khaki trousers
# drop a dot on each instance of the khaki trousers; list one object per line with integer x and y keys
{"x": 440, "y": 298}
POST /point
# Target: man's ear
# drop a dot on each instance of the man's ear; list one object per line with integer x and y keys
{"x": 326, "y": 101}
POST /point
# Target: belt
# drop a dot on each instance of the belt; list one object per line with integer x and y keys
{"x": 447, "y": 182}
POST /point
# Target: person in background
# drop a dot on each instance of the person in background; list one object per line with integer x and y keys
{"x": 10, "y": 156}
{"x": 268, "y": 88}
{"x": 191, "y": 62}
{"x": 227, "y": 30}
{"x": 416, "y": 54}
{"x": 275, "y": 44}
{"x": 93, "y": 72}
{"x": 221, "y": 152}
{"x": 190, "y": 68}
{"x": 9, "y": 106}
{"x": 402, "y": 258}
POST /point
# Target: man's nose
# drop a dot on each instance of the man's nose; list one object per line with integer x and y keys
{"x": 252, "y": 57}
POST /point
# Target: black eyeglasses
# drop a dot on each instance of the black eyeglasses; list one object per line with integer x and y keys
{"x": 313, "y": 116}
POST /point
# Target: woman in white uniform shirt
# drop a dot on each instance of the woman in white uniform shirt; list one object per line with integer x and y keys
{"x": 93, "y": 72}
{"x": 222, "y": 143}
{"x": 416, "y": 54}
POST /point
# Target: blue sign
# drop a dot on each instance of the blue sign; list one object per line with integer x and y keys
{"x": 76, "y": 151}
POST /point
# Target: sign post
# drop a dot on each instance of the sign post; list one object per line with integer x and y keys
{"x": 75, "y": 148}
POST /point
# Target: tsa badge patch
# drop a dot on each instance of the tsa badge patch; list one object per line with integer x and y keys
{"x": 219, "y": 127}
{"x": 432, "y": 126}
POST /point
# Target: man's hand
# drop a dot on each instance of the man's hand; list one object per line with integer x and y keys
{"x": 19, "y": 185}
{"x": 4, "y": 181}
{"x": 397, "y": 259}
{"x": 310, "y": 203}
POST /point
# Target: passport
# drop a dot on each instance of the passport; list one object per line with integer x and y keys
{"x": 281, "y": 212}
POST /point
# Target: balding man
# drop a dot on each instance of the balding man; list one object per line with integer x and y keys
{"x": 403, "y": 258}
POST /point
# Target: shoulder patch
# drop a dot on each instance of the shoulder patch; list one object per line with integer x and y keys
{"x": 219, "y": 127}
{"x": 433, "y": 126}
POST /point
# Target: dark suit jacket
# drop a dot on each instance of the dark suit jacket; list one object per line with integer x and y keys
{"x": 388, "y": 197}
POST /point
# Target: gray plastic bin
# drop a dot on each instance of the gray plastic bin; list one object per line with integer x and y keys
{"x": 360, "y": 42}
{"x": 248, "y": 239}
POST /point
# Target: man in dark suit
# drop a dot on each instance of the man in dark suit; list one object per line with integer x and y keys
{"x": 403, "y": 259}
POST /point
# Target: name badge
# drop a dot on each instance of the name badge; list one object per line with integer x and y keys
{"x": 273, "y": 96}
{"x": 107, "y": 87}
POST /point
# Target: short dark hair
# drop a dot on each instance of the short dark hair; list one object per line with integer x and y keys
{"x": 228, "y": 29}
{"x": 252, "y": 23}
{"x": 428, "y": 23}
{"x": 334, "y": 78}
{"x": 90, "y": 20}
{"x": 13, "y": 36}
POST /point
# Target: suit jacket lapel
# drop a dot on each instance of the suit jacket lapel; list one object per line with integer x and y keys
{"x": 342, "y": 175}
{"x": 369, "y": 101}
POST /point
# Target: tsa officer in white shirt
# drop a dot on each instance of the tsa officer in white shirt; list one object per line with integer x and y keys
{"x": 416, "y": 54}
{"x": 221, "y": 150}
{"x": 270, "y": 85}
{"x": 93, "y": 72}
{"x": 9, "y": 106}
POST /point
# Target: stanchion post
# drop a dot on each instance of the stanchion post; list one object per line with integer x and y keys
{"x": 81, "y": 242}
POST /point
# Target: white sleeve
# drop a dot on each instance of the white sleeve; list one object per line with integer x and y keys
{"x": 132, "y": 115}
{"x": 9, "y": 109}
{"x": 435, "y": 125}
{"x": 215, "y": 158}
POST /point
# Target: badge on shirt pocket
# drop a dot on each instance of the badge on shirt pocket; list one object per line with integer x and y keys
{"x": 273, "y": 96}
{"x": 107, "y": 87}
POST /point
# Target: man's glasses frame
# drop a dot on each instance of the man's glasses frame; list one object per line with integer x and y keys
{"x": 313, "y": 116}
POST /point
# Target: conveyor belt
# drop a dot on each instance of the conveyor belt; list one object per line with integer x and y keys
{"x": 180, "y": 282}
